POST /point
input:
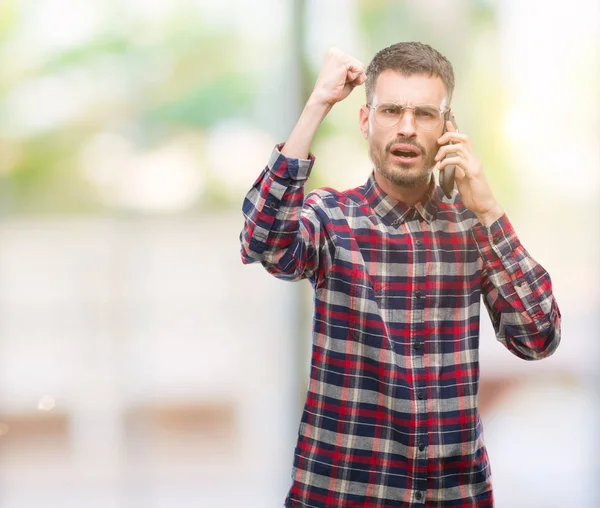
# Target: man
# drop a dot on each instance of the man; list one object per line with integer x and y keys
{"x": 391, "y": 417}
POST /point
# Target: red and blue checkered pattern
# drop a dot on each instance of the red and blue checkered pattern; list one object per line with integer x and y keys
{"x": 391, "y": 416}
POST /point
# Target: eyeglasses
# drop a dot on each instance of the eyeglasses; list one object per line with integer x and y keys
{"x": 389, "y": 114}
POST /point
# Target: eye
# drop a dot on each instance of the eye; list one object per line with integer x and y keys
{"x": 426, "y": 112}
{"x": 389, "y": 109}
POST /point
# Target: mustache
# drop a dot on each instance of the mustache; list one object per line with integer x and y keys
{"x": 406, "y": 141}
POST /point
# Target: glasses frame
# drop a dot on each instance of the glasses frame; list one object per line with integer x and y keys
{"x": 443, "y": 114}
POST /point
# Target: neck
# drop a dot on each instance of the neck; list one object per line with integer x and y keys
{"x": 408, "y": 196}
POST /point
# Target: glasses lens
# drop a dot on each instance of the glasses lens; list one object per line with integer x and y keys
{"x": 388, "y": 115}
{"x": 426, "y": 117}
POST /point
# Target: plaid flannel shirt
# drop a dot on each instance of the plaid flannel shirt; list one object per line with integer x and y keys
{"x": 391, "y": 416}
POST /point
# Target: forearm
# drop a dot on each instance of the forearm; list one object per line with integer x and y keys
{"x": 298, "y": 144}
{"x": 517, "y": 292}
{"x": 283, "y": 230}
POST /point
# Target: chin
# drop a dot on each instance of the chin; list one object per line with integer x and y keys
{"x": 407, "y": 177}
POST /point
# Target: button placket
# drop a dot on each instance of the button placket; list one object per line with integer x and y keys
{"x": 417, "y": 348}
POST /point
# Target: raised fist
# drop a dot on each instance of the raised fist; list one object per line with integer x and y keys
{"x": 338, "y": 76}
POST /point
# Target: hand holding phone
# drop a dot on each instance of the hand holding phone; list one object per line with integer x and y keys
{"x": 447, "y": 173}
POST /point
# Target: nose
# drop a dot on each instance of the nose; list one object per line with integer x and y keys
{"x": 407, "y": 128}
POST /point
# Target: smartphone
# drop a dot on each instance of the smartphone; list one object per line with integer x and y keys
{"x": 447, "y": 174}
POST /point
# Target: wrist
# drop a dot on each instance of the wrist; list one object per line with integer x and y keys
{"x": 318, "y": 104}
{"x": 490, "y": 216}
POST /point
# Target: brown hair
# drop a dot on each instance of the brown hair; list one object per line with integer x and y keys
{"x": 410, "y": 58}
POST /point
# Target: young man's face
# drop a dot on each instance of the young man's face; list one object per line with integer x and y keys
{"x": 388, "y": 144}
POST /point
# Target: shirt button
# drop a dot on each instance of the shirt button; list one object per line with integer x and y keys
{"x": 497, "y": 239}
{"x": 518, "y": 282}
{"x": 417, "y": 345}
{"x": 421, "y": 447}
{"x": 418, "y": 243}
{"x": 418, "y": 293}
{"x": 418, "y": 495}
{"x": 420, "y": 395}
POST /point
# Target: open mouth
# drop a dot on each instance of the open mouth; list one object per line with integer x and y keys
{"x": 405, "y": 152}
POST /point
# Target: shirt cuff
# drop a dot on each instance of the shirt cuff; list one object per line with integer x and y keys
{"x": 290, "y": 168}
{"x": 498, "y": 240}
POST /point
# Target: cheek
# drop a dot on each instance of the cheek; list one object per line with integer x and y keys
{"x": 431, "y": 145}
{"x": 379, "y": 138}
{"x": 377, "y": 144}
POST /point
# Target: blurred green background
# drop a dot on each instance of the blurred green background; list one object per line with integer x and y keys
{"x": 92, "y": 90}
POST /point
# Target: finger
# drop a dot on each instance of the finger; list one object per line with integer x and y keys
{"x": 454, "y": 137}
{"x": 355, "y": 65}
{"x": 356, "y": 79}
{"x": 356, "y": 71}
{"x": 459, "y": 162}
{"x": 459, "y": 173}
{"x": 351, "y": 75}
{"x": 356, "y": 82}
{"x": 449, "y": 149}
{"x": 360, "y": 76}
{"x": 454, "y": 121}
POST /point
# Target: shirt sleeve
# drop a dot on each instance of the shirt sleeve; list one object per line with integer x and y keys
{"x": 287, "y": 234}
{"x": 517, "y": 293}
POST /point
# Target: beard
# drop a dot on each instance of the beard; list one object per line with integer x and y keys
{"x": 399, "y": 174}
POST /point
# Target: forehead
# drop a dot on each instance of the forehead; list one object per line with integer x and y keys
{"x": 392, "y": 86}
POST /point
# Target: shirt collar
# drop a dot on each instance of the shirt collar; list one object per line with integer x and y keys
{"x": 394, "y": 212}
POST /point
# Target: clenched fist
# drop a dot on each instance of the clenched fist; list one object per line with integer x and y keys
{"x": 339, "y": 75}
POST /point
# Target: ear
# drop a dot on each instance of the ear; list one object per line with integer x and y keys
{"x": 363, "y": 121}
